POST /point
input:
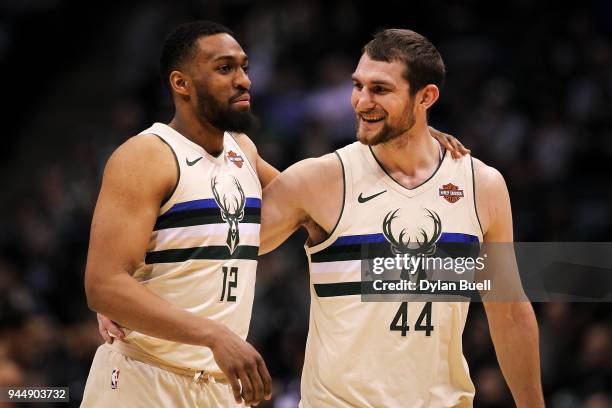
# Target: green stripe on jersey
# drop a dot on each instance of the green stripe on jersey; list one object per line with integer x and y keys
{"x": 221, "y": 252}
{"x": 202, "y": 217}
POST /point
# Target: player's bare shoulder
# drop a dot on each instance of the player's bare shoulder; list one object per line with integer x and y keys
{"x": 487, "y": 176}
{"x": 316, "y": 177}
{"x": 309, "y": 193}
{"x": 491, "y": 192}
{"x": 145, "y": 162}
{"x": 320, "y": 190}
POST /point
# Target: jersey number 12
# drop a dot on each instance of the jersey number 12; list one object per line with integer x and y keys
{"x": 230, "y": 281}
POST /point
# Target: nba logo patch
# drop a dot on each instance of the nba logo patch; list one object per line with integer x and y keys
{"x": 235, "y": 158}
{"x": 115, "y": 378}
{"x": 451, "y": 193}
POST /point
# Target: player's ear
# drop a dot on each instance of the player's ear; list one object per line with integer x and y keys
{"x": 179, "y": 82}
{"x": 427, "y": 96}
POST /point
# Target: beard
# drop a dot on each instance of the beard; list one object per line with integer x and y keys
{"x": 388, "y": 132}
{"x": 384, "y": 135}
{"x": 224, "y": 117}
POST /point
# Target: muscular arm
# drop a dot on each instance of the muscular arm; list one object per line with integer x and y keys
{"x": 137, "y": 178}
{"x": 307, "y": 194}
{"x": 513, "y": 326}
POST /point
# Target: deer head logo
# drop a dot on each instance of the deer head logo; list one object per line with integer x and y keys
{"x": 231, "y": 212}
{"x": 424, "y": 247}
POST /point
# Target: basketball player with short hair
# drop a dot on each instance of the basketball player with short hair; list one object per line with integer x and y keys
{"x": 395, "y": 354}
{"x": 175, "y": 237}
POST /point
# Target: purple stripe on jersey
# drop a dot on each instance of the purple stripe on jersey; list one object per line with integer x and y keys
{"x": 359, "y": 239}
{"x": 457, "y": 237}
{"x": 380, "y": 238}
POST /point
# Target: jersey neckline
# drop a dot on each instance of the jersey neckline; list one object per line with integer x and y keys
{"x": 377, "y": 166}
{"x": 215, "y": 159}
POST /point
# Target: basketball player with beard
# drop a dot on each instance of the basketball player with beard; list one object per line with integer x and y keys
{"x": 175, "y": 237}
{"x": 395, "y": 354}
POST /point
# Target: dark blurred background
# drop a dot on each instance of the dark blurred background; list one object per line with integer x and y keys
{"x": 529, "y": 90}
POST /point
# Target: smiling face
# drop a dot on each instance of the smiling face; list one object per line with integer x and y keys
{"x": 381, "y": 99}
{"x": 218, "y": 71}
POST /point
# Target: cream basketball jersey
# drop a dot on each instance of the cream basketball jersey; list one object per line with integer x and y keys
{"x": 391, "y": 353}
{"x": 202, "y": 254}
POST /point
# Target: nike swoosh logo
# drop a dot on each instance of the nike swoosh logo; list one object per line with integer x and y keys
{"x": 363, "y": 199}
{"x": 191, "y": 163}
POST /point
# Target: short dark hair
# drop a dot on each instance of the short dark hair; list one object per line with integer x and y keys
{"x": 179, "y": 44}
{"x": 423, "y": 62}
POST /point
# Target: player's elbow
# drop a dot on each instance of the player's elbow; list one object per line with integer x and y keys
{"x": 94, "y": 291}
{"x": 504, "y": 316}
{"x": 524, "y": 317}
{"x": 91, "y": 295}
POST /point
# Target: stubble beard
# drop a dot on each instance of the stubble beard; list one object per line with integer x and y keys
{"x": 388, "y": 133}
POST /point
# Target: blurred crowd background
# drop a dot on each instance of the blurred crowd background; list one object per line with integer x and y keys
{"x": 529, "y": 90}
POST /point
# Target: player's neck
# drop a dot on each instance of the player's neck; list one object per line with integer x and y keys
{"x": 199, "y": 132}
{"x": 415, "y": 155}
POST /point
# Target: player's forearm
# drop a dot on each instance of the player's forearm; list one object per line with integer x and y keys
{"x": 514, "y": 331}
{"x": 124, "y": 300}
